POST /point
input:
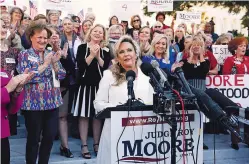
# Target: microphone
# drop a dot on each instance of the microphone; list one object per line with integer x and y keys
{"x": 236, "y": 112}
{"x": 179, "y": 73}
{"x": 148, "y": 70}
{"x": 130, "y": 77}
{"x": 213, "y": 111}
{"x": 163, "y": 76}
{"x": 225, "y": 103}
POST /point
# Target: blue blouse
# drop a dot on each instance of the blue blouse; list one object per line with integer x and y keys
{"x": 39, "y": 92}
{"x": 162, "y": 62}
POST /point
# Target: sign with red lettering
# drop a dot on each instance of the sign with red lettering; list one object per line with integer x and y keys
{"x": 160, "y": 5}
{"x": 7, "y": 3}
{"x": 147, "y": 138}
{"x": 60, "y": 4}
{"x": 235, "y": 87}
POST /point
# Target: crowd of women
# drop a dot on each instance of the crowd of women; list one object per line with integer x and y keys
{"x": 51, "y": 68}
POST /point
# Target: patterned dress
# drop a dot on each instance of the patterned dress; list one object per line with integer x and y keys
{"x": 8, "y": 64}
{"x": 9, "y": 60}
{"x": 40, "y": 93}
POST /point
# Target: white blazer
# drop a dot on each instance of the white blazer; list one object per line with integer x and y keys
{"x": 109, "y": 95}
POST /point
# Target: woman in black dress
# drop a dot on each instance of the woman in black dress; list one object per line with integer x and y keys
{"x": 92, "y": 61}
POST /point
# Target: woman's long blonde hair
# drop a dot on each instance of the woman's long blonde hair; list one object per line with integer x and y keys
{"x": 88, "y": 35}
{"x": 155, "y": 40}
{"x": 117, "y": 70}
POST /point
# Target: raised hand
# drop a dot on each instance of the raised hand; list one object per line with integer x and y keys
{"x": 94, "y": 50}
{"x": 48, "y": 58}
{"x": 175, "y": 65}
{"x": 14, "y": 81}
{"x": 25, "y": 77}
{"x": 65, "y": 49}
{"x": 12, "y": 32}
{"x": 56, "y": 57}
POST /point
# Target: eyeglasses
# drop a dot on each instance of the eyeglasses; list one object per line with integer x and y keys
{"x": 28, "y": 18}
{"x": 157, "y": 26}
{"x": 76, "y": 21}
{"x": 224, "y": 43}
{"x": 115, "y": 33}
{"x": 136, "y": 20}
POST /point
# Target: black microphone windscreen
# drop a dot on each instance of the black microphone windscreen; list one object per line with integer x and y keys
{"x": 178, "y": 69}
{"x": 146, "y": 68}
{"x": 130, "y": 74}
{"x": 219, "y": 98}
{"x": 209, "y": 107}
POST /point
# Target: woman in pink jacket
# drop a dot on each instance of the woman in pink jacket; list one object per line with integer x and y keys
{"x": 11, "y": 91}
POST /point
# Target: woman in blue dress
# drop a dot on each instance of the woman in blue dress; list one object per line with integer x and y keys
{"x": 159, "y": 51}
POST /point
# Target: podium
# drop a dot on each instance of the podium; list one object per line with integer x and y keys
{"x": 140, "y": 136}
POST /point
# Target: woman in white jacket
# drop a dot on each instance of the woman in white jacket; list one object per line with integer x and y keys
{"x": 114, "y": 83}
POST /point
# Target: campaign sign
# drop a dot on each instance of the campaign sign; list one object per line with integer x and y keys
{"x": 6, "y": 2}
{"x": 188, "y": 17}
{"x": 124, "y": 10}
{"x": 147, "y": 138}
{"x": 234, "y": 87}
{"x": 221, "y": 52}
{"x": 59, "y": 4}
{"x": 160, "y": 5}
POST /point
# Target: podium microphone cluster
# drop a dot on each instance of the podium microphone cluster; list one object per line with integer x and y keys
{"x": 130, "y": 77}
{"x": 163, "y": 76}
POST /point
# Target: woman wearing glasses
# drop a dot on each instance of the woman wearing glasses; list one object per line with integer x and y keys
{"x": 222, "y": 40}
{"x": 136, "y": 25}
{"x": 76, "y": 24}
{"x": 158, "y": 26}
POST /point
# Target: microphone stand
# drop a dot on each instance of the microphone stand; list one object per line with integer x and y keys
{"x": 173, "y": 132}
{"x": 130, "y": 94}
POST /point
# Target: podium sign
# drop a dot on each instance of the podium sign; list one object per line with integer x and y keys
{"x": 147, "y": 138}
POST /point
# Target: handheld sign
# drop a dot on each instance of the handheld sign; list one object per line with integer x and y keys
{"x": 160, "y": 5}
{"x": 124, "y": 10}
{"x": 188, "y": 17}
{"x": 6, "y": 2}
{"x": 221, "y": 52}
{"x": 63, "y": 5}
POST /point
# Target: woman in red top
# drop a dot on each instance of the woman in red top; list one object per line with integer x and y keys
{"x": 237, "y": 64}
